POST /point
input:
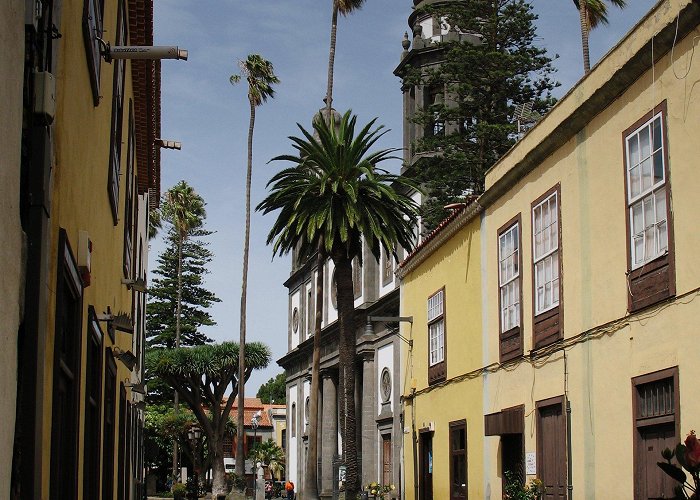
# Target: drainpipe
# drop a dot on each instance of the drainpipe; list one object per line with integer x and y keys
{"x": 415, "y": 444}
{"x": 570, "y": 486}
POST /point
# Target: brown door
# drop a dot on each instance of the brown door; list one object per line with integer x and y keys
{"x": 653, "y": 483}
{"x": 386, "y": 460}
{"x": 551, "y": 448}
{"x": 426, "y": 466}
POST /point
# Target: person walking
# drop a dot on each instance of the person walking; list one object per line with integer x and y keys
{"x": 289, "y": 486}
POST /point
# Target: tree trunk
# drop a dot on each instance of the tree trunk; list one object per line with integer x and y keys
{"x": 177, "y": 342}
{"x": 311, "y": 482}
{"x": 331, "y": 62}
{"x": 240, "y": 459}
{"x": 346, "y": 364}
{"x": 217, "y": 468}
{"x": 585, "y": 29}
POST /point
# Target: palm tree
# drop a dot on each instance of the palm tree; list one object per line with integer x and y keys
{"x": 592, "y": 13}
{"x": 270, "y": 455}
{"x": 336, "y": 196}
{"x": 344, "y": 7}
{"x": 260, "y": 76}
{"x": 184, "y": 209}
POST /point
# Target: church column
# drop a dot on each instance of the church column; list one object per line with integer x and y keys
{"x": 329, "y": 432}
{"x": 368, "y": 402}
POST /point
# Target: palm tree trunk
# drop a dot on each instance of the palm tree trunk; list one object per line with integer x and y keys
{"x": 331, "y": 61}
{"x": 240, "y": 459}
{"x": 585, "y": 28}
{"x": 311, "y": 483}
{"x": 346, "y": 362}
{"x": 177, "y": 340}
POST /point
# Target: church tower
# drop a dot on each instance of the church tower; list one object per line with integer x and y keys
{"x": 424, "y": 51}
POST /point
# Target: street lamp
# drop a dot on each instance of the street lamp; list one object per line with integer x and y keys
{"x": 254, "y": 424}
{"x": 194, "y": 435}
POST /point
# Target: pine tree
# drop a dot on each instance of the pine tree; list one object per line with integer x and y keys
{"x": 196, "y": 300}
{"x": 490, "y": 64}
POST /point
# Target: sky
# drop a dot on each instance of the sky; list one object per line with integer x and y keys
{"x": 210, "y": 117}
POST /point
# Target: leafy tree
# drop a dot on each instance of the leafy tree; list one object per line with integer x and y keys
{"x": 162, "y": 426}
{"x": 195, "y": 299}
{"x": 260, "y": 76}
{"x": 270, "y": 455}
{"x": 274, "y": 390}
{"x": 336, "y": 194}
{"x": 201, "y": 375}
{"x": 469, "y": 124}
{"x": 592, "y": 13}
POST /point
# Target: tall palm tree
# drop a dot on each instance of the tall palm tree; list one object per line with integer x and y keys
{"x": 184, "y": 209}
{"x": 593, "y": 13}
{"x": 260, "y": 76}
{"x": 335, "y": 195}
{"x": 343, "y": 7}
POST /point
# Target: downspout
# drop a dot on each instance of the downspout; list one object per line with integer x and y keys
{"x": 415, "y": 443}
{"x": 570, "y": 486}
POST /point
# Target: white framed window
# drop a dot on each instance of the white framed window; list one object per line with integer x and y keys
{"x": 509, "y": 277}
{"x": 646, "y": 193}
{"x": 436, "y": 328}
{"x": 545, "y": 252}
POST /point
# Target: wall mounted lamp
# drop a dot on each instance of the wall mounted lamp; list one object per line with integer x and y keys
{"x": 126, "y": 357}
{"x": 369, "y": 327}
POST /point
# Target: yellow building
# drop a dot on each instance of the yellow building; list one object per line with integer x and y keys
{"x": 90, "y": 166}
{"x": 598, "y": 204}
{"x": 443, "y": 418}
{"x": 589, "y": 282}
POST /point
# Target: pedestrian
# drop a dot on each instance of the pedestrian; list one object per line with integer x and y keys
{"x": 289, "y": 486}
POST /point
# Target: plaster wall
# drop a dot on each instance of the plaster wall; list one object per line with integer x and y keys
{"x": 455, "y": 265}
{"x": 11, "y": 250}
{"x": 589, "y": 167}
{"x": 292, "y": 435}
{"x": 80, "y": 202}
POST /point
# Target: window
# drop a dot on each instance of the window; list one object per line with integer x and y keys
{"x": 436, "y": 337}
{"x": 228, "y": 446}
{"x": 117, "y": 115}
{"x": 545, "y": 242}
{"x": 310, "y": 317}
{"x": 656, "y": 408}
{"x": 66, "y": 375}
{"x": 387, "y": 268}
{"x": 129, "y": 205}
{"x": 546, "y": 267}
{"x": 293, "y": 420}
{"x": 357, "y": 277}
{"x": 92, "y": 29}
{"x": 509, "y": 264}
{"x": 458, "y": 459}
{"x": 434, "y": 100}
{"x": 650, "y": 260}
{"x": 93, "y": 404}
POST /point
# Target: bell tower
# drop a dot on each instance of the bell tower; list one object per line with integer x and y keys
{"x": 424, "y": 51}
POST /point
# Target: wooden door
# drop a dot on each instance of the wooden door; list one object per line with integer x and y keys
{"x": 386, "y": 460}
{"x": 652, "y": 482}
{"x": 426, "y": 466}
{"x": 551, "y": 448}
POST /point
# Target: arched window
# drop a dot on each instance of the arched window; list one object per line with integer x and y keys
{"x": 294, "y": 420}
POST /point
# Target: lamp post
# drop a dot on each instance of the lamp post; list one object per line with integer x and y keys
{"x": 194, "y": 435}
{"x": 254, "y": 424}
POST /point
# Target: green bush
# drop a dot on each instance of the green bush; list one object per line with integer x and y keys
{"x": 179, "y": 491}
